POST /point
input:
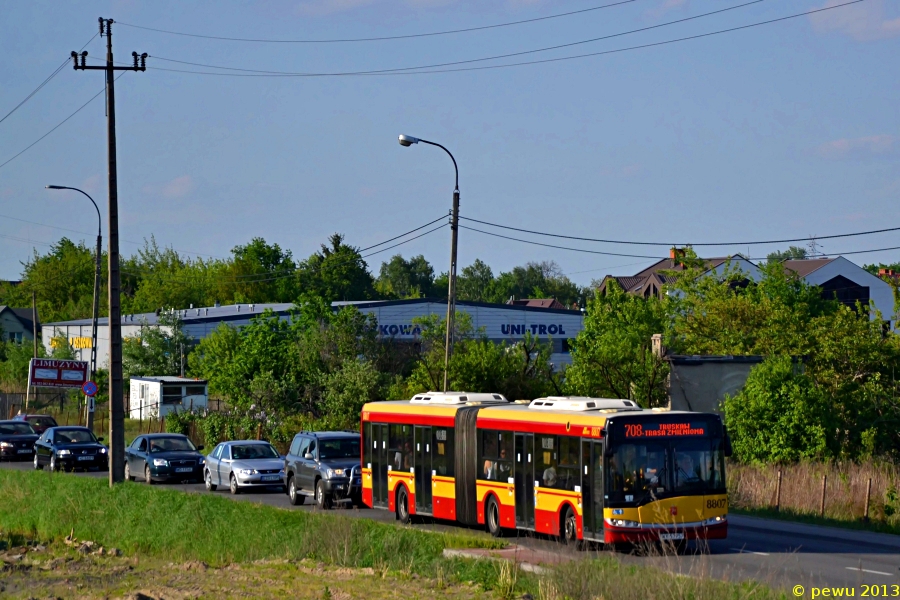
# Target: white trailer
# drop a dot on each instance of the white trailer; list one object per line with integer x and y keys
{"x": 159, "y": 396}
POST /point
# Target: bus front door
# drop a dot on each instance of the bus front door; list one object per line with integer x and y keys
{"x": 423, "y": 470}
{"x": 380, "y": 466}
{"x": 524, "y": 480}
{"x": 592, "y": 488}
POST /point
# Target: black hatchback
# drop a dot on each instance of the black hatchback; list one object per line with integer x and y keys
{"x": 70, "y": 448}
{"x": 17, "y": 440}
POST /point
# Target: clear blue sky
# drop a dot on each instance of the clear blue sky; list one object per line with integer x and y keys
{"x": 786, "y": 130}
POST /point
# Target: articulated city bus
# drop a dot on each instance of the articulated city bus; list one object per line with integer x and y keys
{"x": 578, "y": 468}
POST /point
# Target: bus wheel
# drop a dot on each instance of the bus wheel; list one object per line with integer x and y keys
{"x": 403, "y": 506}
{"x": 492, "y": 516}
{"x": 570, "y": 528}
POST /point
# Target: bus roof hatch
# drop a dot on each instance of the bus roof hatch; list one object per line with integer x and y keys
{"x": 581, "y": 403}
{"x": 458, "y": 398}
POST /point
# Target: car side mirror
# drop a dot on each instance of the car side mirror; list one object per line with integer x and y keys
{"x": 99, "y": 439}
{"x": 308, "y": 456}
{"x": 199, "y": 448}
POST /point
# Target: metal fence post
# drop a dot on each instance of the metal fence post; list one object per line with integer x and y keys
{"x": 824, "y": 483}
{"x": 778, "y": 492}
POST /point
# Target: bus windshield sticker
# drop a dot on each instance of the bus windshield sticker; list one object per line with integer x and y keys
{"x": 657, "y": 430}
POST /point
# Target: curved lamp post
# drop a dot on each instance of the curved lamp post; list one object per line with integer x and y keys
{"x": 90, "y": 415}
{"x": 408, "y": 140}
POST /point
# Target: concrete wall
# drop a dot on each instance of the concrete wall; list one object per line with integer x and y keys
{"x": 700, "y": 383}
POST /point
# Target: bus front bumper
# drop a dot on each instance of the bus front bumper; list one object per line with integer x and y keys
{"x": 617, "y": 531}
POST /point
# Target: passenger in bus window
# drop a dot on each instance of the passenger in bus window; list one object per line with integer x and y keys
{"x": 685, "y": 473}
{"x": 407, "y": 456}
{"x": 549, "y": 477}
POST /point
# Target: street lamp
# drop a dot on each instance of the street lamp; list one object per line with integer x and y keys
{"x": 89, "y": 419}
{"x": 408, "y": 140}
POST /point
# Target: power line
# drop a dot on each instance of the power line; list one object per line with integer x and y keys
{"x": 670, "y": 245}
{"x": 403, "y": 235}
{"x": 382, "y": 38}
{"x": 78, "y": 110}
{"x": 406, "y": 71}
{"x": 474, "y": 60}
{"x": 46, "y": 81}
{"x": 643, "y": 256}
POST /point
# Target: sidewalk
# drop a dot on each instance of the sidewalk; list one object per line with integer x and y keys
{"x": 824, "y": 532}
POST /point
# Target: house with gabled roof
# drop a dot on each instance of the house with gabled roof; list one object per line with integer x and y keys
{"x": 16, "y": 324}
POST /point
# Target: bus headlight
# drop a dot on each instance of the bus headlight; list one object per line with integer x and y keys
{"x": 715, "y": 520}
{"x": 622, "y": 523}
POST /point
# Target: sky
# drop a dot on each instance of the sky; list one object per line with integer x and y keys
{"x": 787, "y": 130}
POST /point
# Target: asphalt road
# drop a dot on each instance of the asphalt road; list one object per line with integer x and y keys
{"x": 778, "y": 553}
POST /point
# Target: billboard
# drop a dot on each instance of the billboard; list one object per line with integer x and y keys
{"x": 50, "y": 372}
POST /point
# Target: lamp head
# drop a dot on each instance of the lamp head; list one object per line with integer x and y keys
{"x": 55, "y": 187}
{"x": 408, "y": 140}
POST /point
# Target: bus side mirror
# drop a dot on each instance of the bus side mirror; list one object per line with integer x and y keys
{"x": 728, "y": 449}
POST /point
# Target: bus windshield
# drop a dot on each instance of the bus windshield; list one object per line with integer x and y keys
{"x": 638, "y": 471}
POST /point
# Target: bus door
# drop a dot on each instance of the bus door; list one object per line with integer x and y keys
{"x": 380, "y": 466}
{"x": 423, "y": 469}
{"x": 592, "y": 488}
{"x": 524, "y": 480}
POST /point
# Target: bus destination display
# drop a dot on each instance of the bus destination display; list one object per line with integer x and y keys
{"x": 664, "y": 430}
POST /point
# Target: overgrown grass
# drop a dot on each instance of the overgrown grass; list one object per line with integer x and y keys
{"x": 752, "y": 489}
{"x": 181, "y": 526}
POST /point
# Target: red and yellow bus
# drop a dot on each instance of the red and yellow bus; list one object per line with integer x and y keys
{"x": 578, "y": 468}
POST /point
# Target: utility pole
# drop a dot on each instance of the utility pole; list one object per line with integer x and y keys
{"x": 116, "y": 391}
{"x": 451, "y": 291}
{"x": 34, "y": 321}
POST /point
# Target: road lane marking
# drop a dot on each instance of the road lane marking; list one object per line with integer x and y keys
{"x": 742, "y": 551}
{"x": 870, "y": 571}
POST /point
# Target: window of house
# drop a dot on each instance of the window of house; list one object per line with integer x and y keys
{"x": 171, "y": 394}
{"x": 195, "y": 390}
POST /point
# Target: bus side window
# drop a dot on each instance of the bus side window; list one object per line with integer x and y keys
{"x": 547, "y": 461}
{"x": 400, "y": 454}
{"x": 442, "y": 455}
{"x": 367, "y": 444}
{"x": 568, "y": 473}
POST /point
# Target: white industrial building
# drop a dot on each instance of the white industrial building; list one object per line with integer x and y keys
{"x": 500, "y": 323}
{"x": 158, "y": 396}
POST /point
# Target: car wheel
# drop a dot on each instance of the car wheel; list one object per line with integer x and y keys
{"x": 234, "y": 488}
{"x": 294, "y": 495}
{"x": 403, "y": 506}
{"x": 128, "y": 475}
{"x": 148, "y": 479}
{"x": 207, "y": 478}
{"x": 54, "y": 465}
{"x": 492, "y": 517}
{"x": 37, "y": 463}
{"x": 323, "y": 501}
{"x": 569, "y": 528}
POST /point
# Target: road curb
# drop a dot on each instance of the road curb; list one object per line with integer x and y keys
{"x": 821, "y": 532}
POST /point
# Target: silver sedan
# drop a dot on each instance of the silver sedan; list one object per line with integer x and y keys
{"x": 244, "y": 464}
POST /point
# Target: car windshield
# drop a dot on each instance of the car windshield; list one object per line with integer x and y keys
{"x": 253, "y": 451}
{"x": 338, "y": 448}
{"x": 73, "y": 436}
{"x": 42, "y": 421}
{"x": 637, "y": 471}
{"x": 172, "y": 444}
{"x": 16, "y": 429}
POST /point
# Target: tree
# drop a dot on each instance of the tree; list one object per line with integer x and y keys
{"x": 474, "y": 282}
{"x": 158, "y": 278}
{"x": 612, "y": 356}
{"x": 158, "y": 350}
{"x": 258, "y": 272}
{"x": 337, "y": 272}
{"x": 534, "y": 280}
{"x": 792, "y": 253}
{"x": 63, "y": 280}
{"x": 520, "y": 370}
{"x": 401, "y": 278}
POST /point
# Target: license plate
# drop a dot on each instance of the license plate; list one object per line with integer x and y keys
{"x": 671, "y": 536}
{"x": 183, "y": 469}
{"x": 270, "y": 478}
{"x": 25, "y": 451}
{"x": 85, "y": 458}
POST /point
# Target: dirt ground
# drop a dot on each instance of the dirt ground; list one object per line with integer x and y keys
{"x": 76, "y": 570}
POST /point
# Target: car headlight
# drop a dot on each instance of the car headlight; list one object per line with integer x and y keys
{"x": 7, "y": 445}
{"x": 102, "y": 450}
{"x": 329, "y": 473}
{"x": 247, "y": 471}
{"x": 201, "y": 461}
{"x": 160, "y": 462}
{"x": 281, "y": 472}
{"x": 623, "y": 523}
{"x": 715, "y": 520}
{"x": 64, "y": 452}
